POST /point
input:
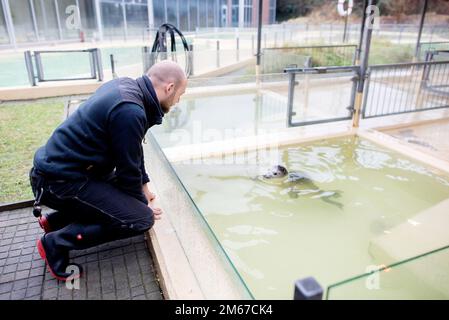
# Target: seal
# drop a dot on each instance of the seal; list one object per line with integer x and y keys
{"x": 279, "y": 175}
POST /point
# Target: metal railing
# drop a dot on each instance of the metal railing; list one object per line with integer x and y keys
{"x": 352, "y": 73}
{"x": 425, "y": 47}
{"x": 406, "y": 87}
{"x": 36, "y": 72}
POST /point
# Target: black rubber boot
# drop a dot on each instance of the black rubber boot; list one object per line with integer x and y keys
{"x": 55, "y": 246}
{"x": 58, "y": 261}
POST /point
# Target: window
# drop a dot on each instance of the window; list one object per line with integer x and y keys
{"x": 248, "y": 13}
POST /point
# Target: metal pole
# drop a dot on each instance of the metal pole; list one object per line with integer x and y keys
{"x": 197, "y": 14}
{"x": 114, "y": 75}
{"x": 207, "y": 15}
{"x": 58, "y": 19}
{"x": 165, "y": 12}
{"x": 9, "y": 23}
{"x": 237, "y": 48}
{"x": 421, "y": 25}
{"x": 33, "y": 18}
{"x": 125, "y": 23}
{"x": 78, "y": 12}
{"x": 44, "y": 14}
{"x": 177, "y": 14}
{"x": 188, "y": 15}
{"x": 30, "y": 68}
{"x": 291, "y": 92}
{"x": 218, "y": 54}
{"x": 259, "y": 36}
{"x": 191, "y": 60}
{"x": 241, "y": 14}
{"x": 362, "y": 29}
{"x": 99, "y": 64}
{"x": 150, "y": 10}
{"x": 98, "y": 19}
{"x": 215, "y": 13}
{"x": 346, "y": 26}
{"x": 368, "y": 31}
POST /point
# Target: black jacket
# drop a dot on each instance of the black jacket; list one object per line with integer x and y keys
{"x": 104, "y": 134}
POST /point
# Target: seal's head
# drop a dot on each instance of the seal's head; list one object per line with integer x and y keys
{"x": 277, "y": 171}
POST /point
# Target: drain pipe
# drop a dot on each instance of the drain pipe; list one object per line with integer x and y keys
{"x": 362, "y": 30}
{"x": 259, "y": 39}
{"x": 367, "y": 34}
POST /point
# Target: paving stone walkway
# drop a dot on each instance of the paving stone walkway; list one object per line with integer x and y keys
{"x": 119, "y": 270}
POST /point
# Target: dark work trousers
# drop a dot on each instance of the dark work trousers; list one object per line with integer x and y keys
{"x": 89, "y": 212}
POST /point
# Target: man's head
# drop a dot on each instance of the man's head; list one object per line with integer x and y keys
{"x": 169, "y": 82}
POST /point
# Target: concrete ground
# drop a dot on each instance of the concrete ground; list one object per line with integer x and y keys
{"x": 119, "y": 270}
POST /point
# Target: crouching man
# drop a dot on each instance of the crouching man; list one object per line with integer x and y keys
{"x": 91, "y": 170}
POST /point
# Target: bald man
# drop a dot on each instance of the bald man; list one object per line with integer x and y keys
{"x": 92, "y": 172}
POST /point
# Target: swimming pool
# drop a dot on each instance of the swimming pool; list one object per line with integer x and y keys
{"x": 329, "y": 227}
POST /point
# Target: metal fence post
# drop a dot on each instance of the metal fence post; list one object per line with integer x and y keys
{"x": 252, "y": 44}
{"x": 237, "y": 48}
{"x": 99, "y": 64}
{"x": 291, "y": 92}
{"x": 147, "y": 60}
{"x": 218, "y": 53}
{"x": 283, "y": 34}
{"x": 191, "y": 61}
{"x": 38, "y": 61}
{"x": 114, "y": 75}
{"x": 30, "y": 68}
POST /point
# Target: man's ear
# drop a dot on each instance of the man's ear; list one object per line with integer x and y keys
{"x": 170, "y": 87}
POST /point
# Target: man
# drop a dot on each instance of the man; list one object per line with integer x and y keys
{"x": 92, "y": 170}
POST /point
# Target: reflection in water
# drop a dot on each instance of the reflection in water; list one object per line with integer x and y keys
{"x": 276, "y": 232}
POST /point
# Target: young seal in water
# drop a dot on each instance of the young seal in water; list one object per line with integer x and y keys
{"x": 280, "y": 175}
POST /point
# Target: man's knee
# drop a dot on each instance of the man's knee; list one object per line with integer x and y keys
{"x": 147, "y": 220}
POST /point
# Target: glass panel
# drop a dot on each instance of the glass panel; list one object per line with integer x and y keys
{"x": 112, "y": 18}
{"x": 56, "y": 66}
{"x": 46, "y": 19}
{"x": 172, "y": 12}
{"x": 4, "y": 37}
{"x": 88, "y": 18}
{"x": 159, "y": 13}
{"x": 183, "y": 12}
{"x": 223, "y": 13}
{"x": 277, "y": 59}
{"x": 194, "y": 18}
{"x": 128, "y": 61}
{"x": 420, "y": 277}
{"x": 137, "y": 20}
{"x": 22, "y": 20}
{"x": 320, "y": 97}
{"x": 68, "y": 30}
{"x": 203, "y": 14}
{"x": 213, "y": 269}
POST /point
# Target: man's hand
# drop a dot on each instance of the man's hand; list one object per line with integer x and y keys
{"x": 157, "y": 212}
{"x": 148, "y": 194}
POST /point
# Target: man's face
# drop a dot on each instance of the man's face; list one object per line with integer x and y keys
{"x": 173, "y": 95}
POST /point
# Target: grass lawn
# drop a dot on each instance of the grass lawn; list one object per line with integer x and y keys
{"x": 24, "y": 126}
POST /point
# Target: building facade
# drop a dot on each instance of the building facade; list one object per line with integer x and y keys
{"x": 25, "y": 21}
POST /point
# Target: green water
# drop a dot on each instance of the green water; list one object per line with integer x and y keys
{"x": 275, "y": 236}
